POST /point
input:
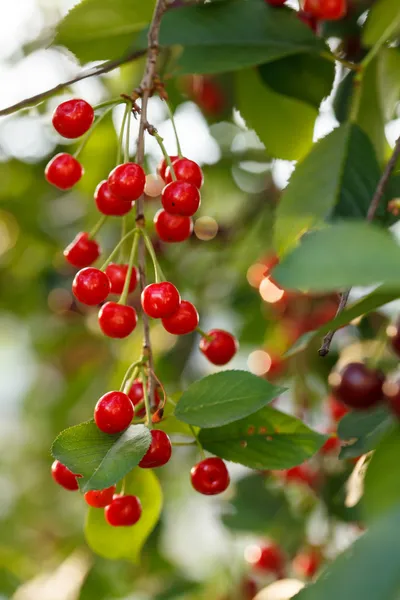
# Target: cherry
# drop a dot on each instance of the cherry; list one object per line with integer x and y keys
{"x": 159, "y": 452}
{"x": 136, "y": 395}
{"x": 275, "y": 2}
{"x": 331, "y": 445}
{"x": 64, "y": 477}
{"x": 210, "y": 476}
{"x": 160, "y": 300}
{"x": 127, "y": 181}
{"x": 307, "y": 563}
{"x": 328, "y": 10}
{"x": 113, "y": 412}
{"x": 117, "y": 275}
{"x": 108, "y": 203}
{"x": 308, "y": 19}
{"x": 117, "y": 320}
{"x": 100, "y": 498}
{"x": 185, "y": 170}
{"x": 336, "y": 408}
{"x": 163, "y": 165}
{"x": 219, "y": 346}
{"x": 207, "y": 93}
{"x": 82, "y": 251}
{"x": 267, "y": 557}
{"x": 358, "y": 386}
{"x": 172, "y": 228}
{"x": 180, "y": 198}
{"x": 394, "y": 336}
{"x": 392, "y": 396}
{"x": 184, "y": 320}
{"x": 123, "y": 511}
{"x": 63, "y": 171}
{"x": 91, "y": 286}
{"x": 301, "y": 474}
{"x": 73, "y": 118}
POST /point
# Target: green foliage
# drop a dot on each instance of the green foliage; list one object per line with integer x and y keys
{"x": 363, "y": 430}
{"x": 382, "y": 23}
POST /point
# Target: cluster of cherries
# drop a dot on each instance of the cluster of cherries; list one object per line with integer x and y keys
{"x": 313, "y": 11}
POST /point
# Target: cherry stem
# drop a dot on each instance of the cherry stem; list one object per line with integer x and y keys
{"x": 106, "y": 103}
{"x": 146, "y": 399}
{"x": 184, "y": 443}
{"x": 125, "y": 290}
{"x": 128, "y": 108}
{"x": 196, "y": 437}
{"x": 128, "y": 133}
{"x": 165, "y": 153}
{"x": 97, "y": 227}
{"x": 131, "y": 371}
{"x": 159, "y": 275}
{"x": 335, "y": 58}
{"x": 89, "y": 133}
{"x": 204, "y": 334}
{"x": 171, "y": 116}
{"x": 117, "y": 247}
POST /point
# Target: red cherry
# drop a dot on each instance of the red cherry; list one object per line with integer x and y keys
{"x": 301, "y": 474}
{"x": 207, "y": 93}
{"x": 136, "y": 395}
{"x": 63, "y": 171}
{"x": 308, "y": 19}
{"x": 328, "y": 10}
{"x": 185, "y": 320}
{"x": 172, "y": 228}
{"x": 163, "y": 165}
{"x": 117, "y": 275}
{"x": 275, "y": 2}
{"x": 392, "y": 396}
{"x": 127, "y": 181}
{"x": 185, "y": 170}
{"x": 336, "y": 408}
{"x": 220, "y": 348}
{"x": 73, "y": 118}
{"x": 331, "y": 445}
{"x": 159, "y": 452}
{"x": 358, "y": 386}
{"x": 100, "y": 498}
{"x": 123, "y": 511}
{"x": 160, "y": 300}
{"x": 394, "y": 336}
{"x": 82, "y": 251}
{"x": 268, "y": 558}
{"x": 108, "y": 203}
{"x": 91, "y": 286}
{"x": 113, "y": 412}
{"x": 210, "y": 476}
{"x": 117, "y": 320}
{"x": 64, "y": 477}
{"x": 307, "y": 563}
{"x": 180, "y": 198}
{"x": 249, "y": 588}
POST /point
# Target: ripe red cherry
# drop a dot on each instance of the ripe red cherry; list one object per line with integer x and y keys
{"x": 210, "y": 476}
{"x": 329, "y": 10}
{"x": 127, "y": 181}
{"x": 159, "y": 452}
{"x": 100, "y": 498}
{"x": 162, "y": 166}
{"x": 160, "y": 300}
{"x": 64, "y": 477}
{"x": 180, "y": 198}
{"x": 117, "y": 275}
{"x": 73, "y": 118}
{"x": 136, "y": 395}
{"x": 185, "y": 170}
{"x": 301, "y": 474}
{"x": 123, "y": 511}
{"x": 358, "y": 386}
{"x": 185, "y": 320}
{"x": 219, "y": 346}
{"x": 113, "y": 412}
{"x": 172, "y": 228}
{"x": 91, "y": 286}
{"x": 307, "y": 563}
{"x": 275, "y": 2}
{"x": 82, "y": 251}
{"x": 108, "y": 203}
{"x": 117, "y": 320}
{"x": 336, "y": 408}
{"x": 63, "y": 171}
{"x": 331, "y": 445}
{"x": 267, "y": 557}
{"x": 392, "y": 396}
{"x": 308, "y": 19}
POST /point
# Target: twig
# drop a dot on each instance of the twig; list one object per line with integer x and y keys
{"x": 373, "y": 207}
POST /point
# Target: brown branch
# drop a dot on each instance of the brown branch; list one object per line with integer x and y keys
{"x": 373, "y": 207}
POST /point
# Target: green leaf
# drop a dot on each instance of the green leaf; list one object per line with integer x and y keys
{"x": 127, "y": 542}
{"x": 382, "y": 23}
{"x": 269, "y": 114}
{"x": 341, "y": 256}
{"x": 368, "y": 570}
{"x": 101, "y": 459}
{"x": 268, "y": 439}
{"x": 370, "y": 115}
{"x": 103, "y": 29}
{"x": 224, "y": 397}
{"x": 363, "y": 430}
{"x": 388, "y": 83}
{"x": 337, "y": 178}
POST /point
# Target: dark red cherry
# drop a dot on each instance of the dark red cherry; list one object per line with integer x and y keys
{"x": 391, "y": 390}
{"x": 108, "y": 203}
{"x": 394, "y": 336}
{"x": 184, "y": 320}
{"x": 127, "y": 181}
{"x": 358, "y": 386}
{"x": 172, "y": 228}
{"x": 123, "y": 511}
{"x": 185, "y": 170}
{"x": 91, "y": 286}
{"x": 82, "y": 251}
{"x": 275, "y": 2}
{"x": 159, "y": 452}
{"x": 210, "y": 476}
{"x": 160, "y": 300}
{"x": 117, "y": 275}
{"x": 100, "y": 498}
{"x": 113, "y": 412}
{"x": 64, "y": 477}
{"x": 162, "y": 166}
{"x": 117, "y": 320}
{"x": 180, "y": 198}
{"x": 73, "y": 118}
{"x": 219, "y": 346}
{"x": 63, "y": 171}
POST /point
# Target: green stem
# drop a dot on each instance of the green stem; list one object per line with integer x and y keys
{"x": 127, "y": 137}
{"x": 131, "y": 371}
{"x": 128, "y": 108}
{"x": 196, "y": 437}
{"x": 334, "y": 58}
{"x": 146, "y": 399}
{"x": 106, "y": 103}
{"x": 356, "y": 100}
{"x": 125, "y": 290}
{"x": 380, "y": 42}
{"x": 184, "y": 443}
{"x": 201, "y": 332}
{"x": 117, "y": 247}
{"x": 159, "y": 275}
{"x": 97, "y": 227}
{"x": 89, "y": 133}
{"x": 171, "y": 116}
{"x": 160, "y": 142}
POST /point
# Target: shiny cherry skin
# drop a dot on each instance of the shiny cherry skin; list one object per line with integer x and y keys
{"x": 337, "y": 409}
{"x": 113, "y": 412}
{"x": 100, "y": 498}
{"x": 328, "y": 10}
{"x": 136, "y": 395}
{"x": 163, "y": 165}
{"x": 180, "y": 198}
{"x": 185, "y": 170}
{"x": 172, "y": 228}
{"x": 308, "y": 19}
{"x": 394, "y": 336}
{"x": 358, "y": 386}
{"x": 108, "y": 203}
{"x": 219, "y": 346}
{"x": 91, "y": 286}
{"x": 183, "y": 321}
{"x": 159, "y": 452}
{"x": 268, "y": 558}
{"x": 73, "y": 118}
{"x": 64, "y": 477}
{"x": 123, "y": 511}
{"x": 160, "y": 300}
{"x": 210, "y": 476}
{"x": 127, "y": 181}
{"x": 117, "y": 320}
{"x": 82, "y": 251}
{"x": 391, "y": 390}
{"x": 307, "y": 563}
{"x": 117, "y": 273}
{"x": 63, "y": 171}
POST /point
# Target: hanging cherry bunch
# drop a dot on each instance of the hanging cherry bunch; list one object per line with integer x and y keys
{"x": 115, "y": 197}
